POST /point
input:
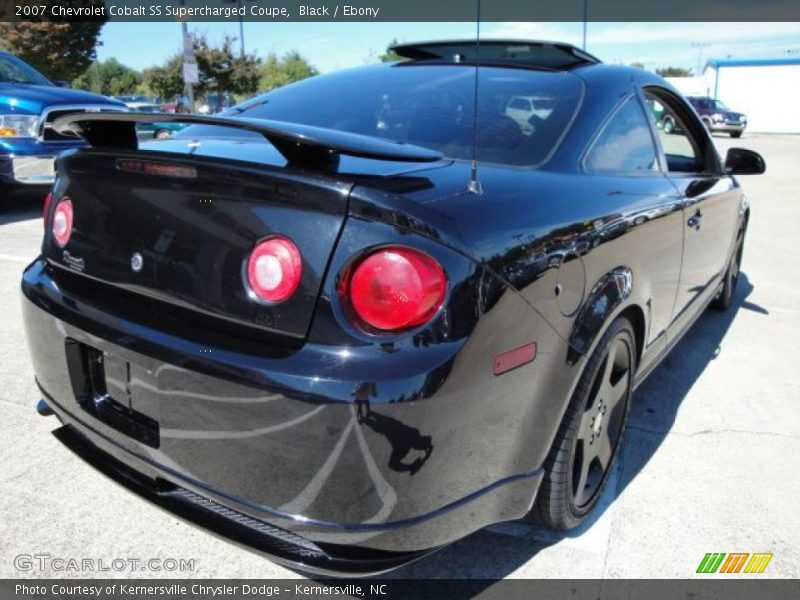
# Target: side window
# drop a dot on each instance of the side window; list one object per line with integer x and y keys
{"x": 625, "y": 144}
{"x": 680, "y": 148}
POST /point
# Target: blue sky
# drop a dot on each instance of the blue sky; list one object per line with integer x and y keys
{"x": 332, "y": 46}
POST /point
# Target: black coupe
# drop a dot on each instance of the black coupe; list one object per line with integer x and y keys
{"x": 364, "y": 315}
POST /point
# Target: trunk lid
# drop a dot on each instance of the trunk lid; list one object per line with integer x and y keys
{"x": 194, "y": 233}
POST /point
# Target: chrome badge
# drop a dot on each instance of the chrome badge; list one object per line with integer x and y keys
{"x": 137, "y": 262}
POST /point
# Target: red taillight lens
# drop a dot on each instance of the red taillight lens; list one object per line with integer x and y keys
{"x": 397, "y": 288}
{"x": 62, "y": 221}
{"x": 274, "y": 269}
{"x": 46, "y": 206}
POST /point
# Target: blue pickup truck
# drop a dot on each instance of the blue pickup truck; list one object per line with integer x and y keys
{"x": 29, "y": 102}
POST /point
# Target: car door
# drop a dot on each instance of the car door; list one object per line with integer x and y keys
{"x": 643, "y": 218}
{"x": 710, "y": 205}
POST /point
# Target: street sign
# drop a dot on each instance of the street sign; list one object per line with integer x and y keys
{"x": 190, "y": 73}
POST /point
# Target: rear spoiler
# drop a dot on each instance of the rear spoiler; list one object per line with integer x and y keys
{"x": 301, "y": 145}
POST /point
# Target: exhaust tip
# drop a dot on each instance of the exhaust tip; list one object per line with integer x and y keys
{"x": 43, "y": 409}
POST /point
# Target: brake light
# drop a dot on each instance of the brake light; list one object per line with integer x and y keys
{"x": 62, "y": 221}
{"x": 274, "y": 269}
{"x": 46, "y": 206}
{"x": 397, "y": 288}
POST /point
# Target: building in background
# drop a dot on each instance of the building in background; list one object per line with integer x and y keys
{"x": 765, "y": 90}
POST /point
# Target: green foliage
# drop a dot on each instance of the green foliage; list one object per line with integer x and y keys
{"x": 390, "y": 55}
{"x": 220, "y": 70}
{"x": 277, "y": 72}
{"x": 165, "y": 81}
{"x": 59, "y": 50}
{"x": 674, "y": 72}
{"x": 110, "y": 78}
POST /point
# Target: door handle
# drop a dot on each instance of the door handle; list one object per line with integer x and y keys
{"x": 694, "y": 220}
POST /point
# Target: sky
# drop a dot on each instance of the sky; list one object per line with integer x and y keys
{"x": 331, "y": 46}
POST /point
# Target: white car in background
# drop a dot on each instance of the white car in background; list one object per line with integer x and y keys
{"x": 523, "y": 108}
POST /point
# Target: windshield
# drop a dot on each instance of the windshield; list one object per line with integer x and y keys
{"x": 720, "y": 105}
{"x": 430, "y": 106}
{"x": 14, "y": 70}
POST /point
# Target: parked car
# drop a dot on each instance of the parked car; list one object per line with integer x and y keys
{"x": 350, "y": 332}
{"x": 29, "y": 102}
{"x": 159, "y": 131}
{"x": 717, "y": 117}
{"x": 215, "y": 103}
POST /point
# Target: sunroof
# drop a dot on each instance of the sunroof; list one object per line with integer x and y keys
{"x": 536, "y": 54}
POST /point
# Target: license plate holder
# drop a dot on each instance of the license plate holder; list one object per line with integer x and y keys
{"x": 108, "y": 402}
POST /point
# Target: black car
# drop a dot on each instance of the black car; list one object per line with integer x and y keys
{"x": 350, "y": 332}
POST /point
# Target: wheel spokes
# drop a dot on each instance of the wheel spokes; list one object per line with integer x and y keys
{"x": 600, "y": 423}
{"x": 603, "y": 449}
{"x": 583, "y": 479}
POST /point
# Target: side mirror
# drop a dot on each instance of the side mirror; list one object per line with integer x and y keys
{"x": 739, "y": 161}
{"x": 62, "y": 83}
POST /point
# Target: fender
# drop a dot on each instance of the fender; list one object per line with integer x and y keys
{"x": 610, "y": 291}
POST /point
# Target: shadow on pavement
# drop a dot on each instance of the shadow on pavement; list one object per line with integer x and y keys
{"x": 21, "y": 205}
{"x": 490, "y": 555}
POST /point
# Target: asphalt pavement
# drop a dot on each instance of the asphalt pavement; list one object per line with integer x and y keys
{"x": 709, "y": 462}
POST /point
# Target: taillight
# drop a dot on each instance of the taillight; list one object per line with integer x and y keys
{"x": 46, "y": 206}
{"x": 274, "y": 269}
{"x": 62, "y": 221}
{"x": 396, "y": 288}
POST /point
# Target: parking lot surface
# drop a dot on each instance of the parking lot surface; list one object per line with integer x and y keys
{"x": 709, "y": 461}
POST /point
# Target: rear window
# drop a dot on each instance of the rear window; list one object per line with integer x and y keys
{"x": 427, "y": 105}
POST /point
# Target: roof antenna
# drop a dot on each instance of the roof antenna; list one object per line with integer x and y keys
{"x": 474, "y": 186}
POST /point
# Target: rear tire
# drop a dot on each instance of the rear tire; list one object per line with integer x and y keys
{"x": 578, "y": 465}
{"x": 725, "y": 298}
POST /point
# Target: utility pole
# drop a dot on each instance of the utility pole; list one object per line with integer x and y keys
{"x": 585, "y": 19}
{"x": 189, "y": 63}
{"x": 700, "y": 46}
{"x": 241, "y": 30}
{"x": 96, "y": 68}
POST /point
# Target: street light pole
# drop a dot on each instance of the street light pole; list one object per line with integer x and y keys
{"x": 700, "y": 46}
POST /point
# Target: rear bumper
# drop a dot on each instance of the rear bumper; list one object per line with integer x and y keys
{"x": 369, "y": 487}
{"x": 218, "y": 515}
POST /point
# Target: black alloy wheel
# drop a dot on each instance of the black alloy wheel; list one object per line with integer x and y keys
{"x": 578, "y": 465}
{"x": 725, "y": 298}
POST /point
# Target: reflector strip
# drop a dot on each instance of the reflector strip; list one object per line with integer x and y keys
{"x": 512, "y": 359}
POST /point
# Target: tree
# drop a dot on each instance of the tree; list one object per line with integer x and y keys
{"x": 390, "y": 55}
{"x": 110, "y": 78}
{"x": 165, "y": 81}
{"x": 62, "y": 50}
{"x": 674, "y": 72}
{"x": 221, "y": 71}
{"x": 277, "y": 72}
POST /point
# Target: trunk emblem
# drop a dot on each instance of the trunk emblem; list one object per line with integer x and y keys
{"x": 137, "y": 262}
